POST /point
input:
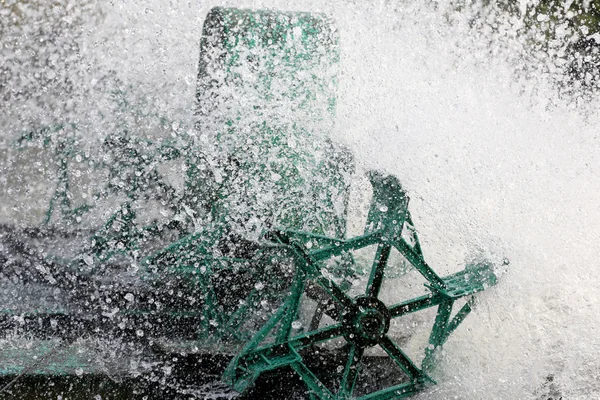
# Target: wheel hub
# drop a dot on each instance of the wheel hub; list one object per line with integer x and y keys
{"x": 366, "y": 325}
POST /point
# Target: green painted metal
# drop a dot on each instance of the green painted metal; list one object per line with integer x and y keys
{"x": 364, "y": 320}
{"x": 266, "y": 94}
{"x": 260, "y": 159}
{"x": 312, "y": 186}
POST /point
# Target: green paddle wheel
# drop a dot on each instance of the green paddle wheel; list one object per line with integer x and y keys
{"x": 250, "y": 258}
{"x": 363, "y": 321}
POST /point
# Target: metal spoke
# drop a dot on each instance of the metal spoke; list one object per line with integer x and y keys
{"x": 416, "y": 304}
{"x": 337, "y": 293}
{"x": 377, "y": 271}
{"x": 325, "y": 304}
{"x": 351, "y": 370}
{"x": 417, "y": 245}
{"x": 315, "y": 337}
{"x": 419, "y": 263}
{"x": 312, "y": 381}
{"x": 317, "y": 316}
{"x": 400, "y": 358}
{"x": 331, "y": 287}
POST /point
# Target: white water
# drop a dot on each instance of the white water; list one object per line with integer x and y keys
{"x": 490, "y": 160}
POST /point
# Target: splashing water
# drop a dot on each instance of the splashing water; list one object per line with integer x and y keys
{"x": 493, "y": 156}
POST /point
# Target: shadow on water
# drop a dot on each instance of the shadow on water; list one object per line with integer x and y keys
{"x": 192, "y": 377}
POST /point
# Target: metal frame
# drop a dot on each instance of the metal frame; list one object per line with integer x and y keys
{"x": 190, "y": 260}
{"x": 363, "y": 321}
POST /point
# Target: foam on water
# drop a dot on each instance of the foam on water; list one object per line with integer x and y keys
{"x": 491, "y": 160}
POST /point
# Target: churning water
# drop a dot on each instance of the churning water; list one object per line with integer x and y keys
{"x": 495, "y": 158}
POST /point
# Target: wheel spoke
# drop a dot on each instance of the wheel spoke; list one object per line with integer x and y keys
{"x": 312, "y": 381}
{"x": 377, "y": 271}
{"x": 338, "y": 294}
{"x": 416, "y": 304}
{"x": 315, "y": 272}
{"x": 351, "y": 370}
{"x": 400, "y": 358}
{"x": 325, "y": 304}
{"x": 318, "y": 336}
{"x": 316, "y": 318}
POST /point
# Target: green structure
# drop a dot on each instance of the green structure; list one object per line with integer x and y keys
{"x": 252, "y": 260}
{"x": 364, "y": 320}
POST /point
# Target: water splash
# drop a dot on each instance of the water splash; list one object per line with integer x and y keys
{"x": 492, "y": 153}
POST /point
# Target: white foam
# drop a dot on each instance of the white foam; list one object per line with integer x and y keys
{"x": 490, "y": 160}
